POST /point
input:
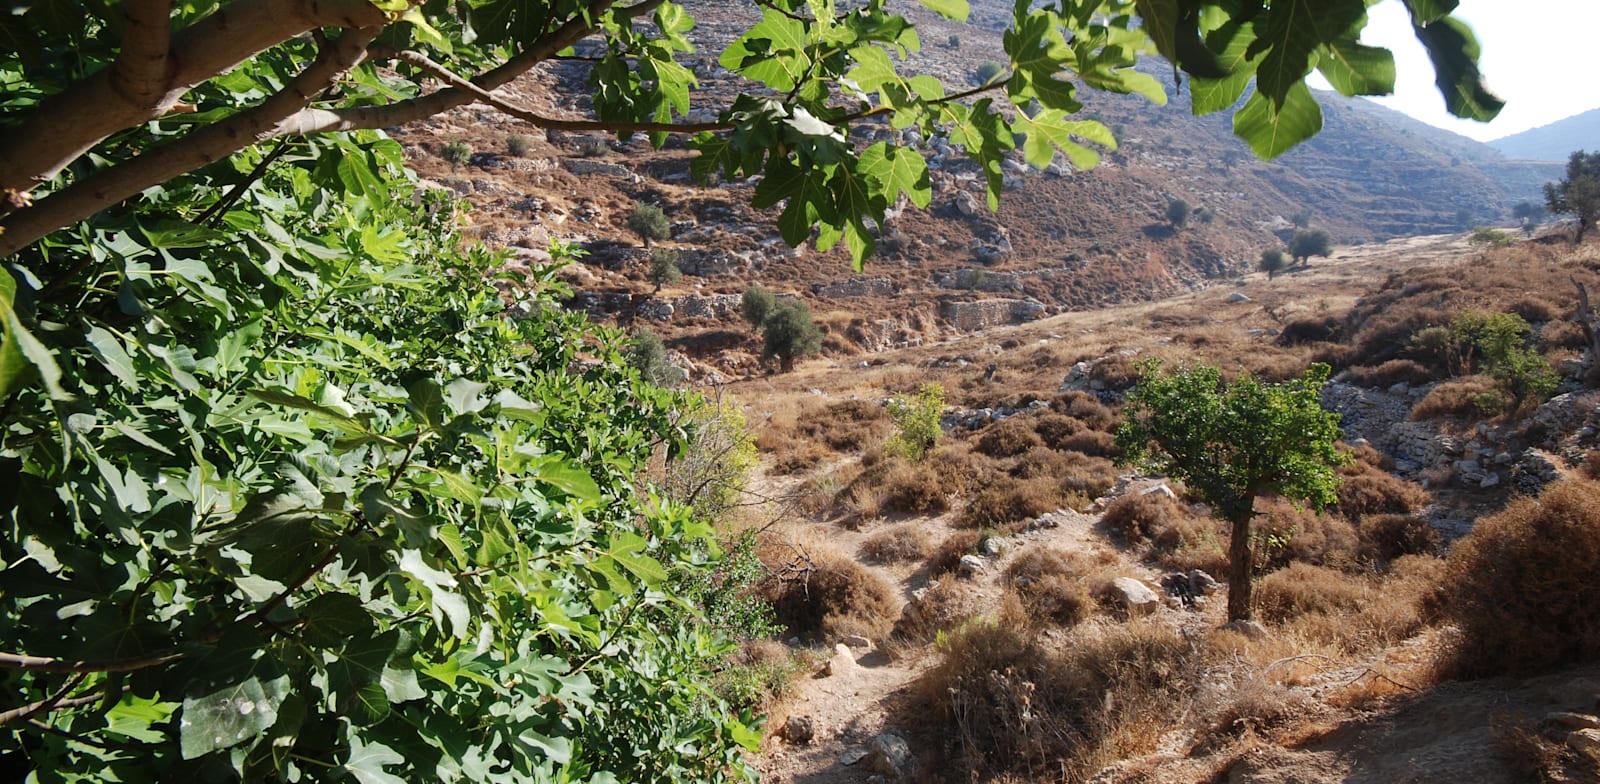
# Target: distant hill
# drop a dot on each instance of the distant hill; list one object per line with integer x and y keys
{"x": 1553, "y": 142}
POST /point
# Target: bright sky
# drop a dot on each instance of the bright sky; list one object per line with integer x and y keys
{"x": 1538, "y": 55}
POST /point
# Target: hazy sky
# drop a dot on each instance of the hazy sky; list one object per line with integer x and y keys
{"x": 1540, "y": 56}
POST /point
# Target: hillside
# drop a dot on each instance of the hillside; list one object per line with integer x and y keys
{"x": 1062, "y": 239}
{"x": 1554, "y": 142}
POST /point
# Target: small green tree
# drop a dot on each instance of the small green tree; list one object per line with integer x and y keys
{"x": 917, "y": 419}
{"x": 1496, "y": 238}
{"x": 1302, "y": 218}
{"x": 1530, "y": 214}
{"x": 1177, "y": 213}
{"x": 987, "y": 71}
{"x": 1305, "y": 244}
{"x": 1499, "y": 343}
{"x": 1272, "y": 261}
{"x": 1232, "y": 443}
{"x": 663, "y": 268}
{"x": 788, "y": 332}
{"x": 456, "y": 153}
{"x": 756, "y": 304}
{"x": 650, "y": 223}
{"x": 1579, "y": 193}
{"x": 648, "y": 354}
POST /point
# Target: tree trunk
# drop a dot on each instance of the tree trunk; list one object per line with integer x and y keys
{"x": 1240, "y": 561}
{"x": 785, "y": 362}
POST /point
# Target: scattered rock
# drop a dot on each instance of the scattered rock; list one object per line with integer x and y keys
{"x": 843, "y": 661}
{"x": 852, "y": 756}
{"x": 1134, "y": 596}
{"x": 970, "y": 566}
{"x": 1238, "y": 297}
{"x": 799, "y": 730}
{"x": 856, "y": 641}
{"x": 1162, "y": 489}
{"x": 1251, "y": 629}
{"x": 992, "y": 546}
{"x": 1586, "y": 743}
{"x": 889, "y": 755}
{"x": 1201, "y": 583}
{"x": 1572, "y": 721}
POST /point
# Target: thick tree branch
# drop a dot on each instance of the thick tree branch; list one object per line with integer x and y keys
{"x": 141, "y": 66}
{"x": 137, "y": 89}
{"x": 421, "y": 61}
{"x": 204, "y": 146}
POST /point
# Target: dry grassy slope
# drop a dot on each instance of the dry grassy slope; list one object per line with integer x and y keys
{"x": 1077, "y": 240}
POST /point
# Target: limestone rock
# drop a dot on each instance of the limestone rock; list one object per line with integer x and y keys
{"x": 843, "y": 661}
{"x": 799, "y": 730}
{"x": 970, "y": 566}
{"x": 889, "y": 755}
{"x": 1251, "y": 629}
{"x": 856, "y": 641}
{"x": 1134, "y": 596}
{"x": 1586, "y": 743}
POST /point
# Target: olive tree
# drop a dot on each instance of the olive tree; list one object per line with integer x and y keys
{"x": 1578, "y": 193}
{"x": 789, "y": 332}
{"x": 1231, "y": 443}
{"x": 1314, "y": 242}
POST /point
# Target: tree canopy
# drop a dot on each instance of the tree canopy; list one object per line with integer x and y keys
{"x": 1231, "y": 443}
{"x": 104, "y": 101}
{"x": 1308, "y": 243}
{"x": 1578, "y": 193}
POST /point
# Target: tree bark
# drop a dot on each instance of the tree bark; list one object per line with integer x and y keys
{"x": 154, "y": 71}
{"x": 1240, "y": 563}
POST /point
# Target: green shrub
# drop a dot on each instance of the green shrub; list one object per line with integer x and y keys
{"x": 648, "y": 354}
{"x": 789, "y": 332}
{"x": 917, "y": 419}
{"x": 987, "y": 71}
{"x": 1491, "y": 237}
{"x": 518, "y": 145}
{"x": 756, "y": 304}
{"x": 649, "y": 223}
{"x": 456, "y": 153}
{"x": 664, "y": 267}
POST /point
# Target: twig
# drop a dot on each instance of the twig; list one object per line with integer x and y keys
{"x": 53, "y": 702}
{"x": 20, "y": 661}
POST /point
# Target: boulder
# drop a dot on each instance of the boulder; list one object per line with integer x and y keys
{"x": 1586, "y": 743}
{"x": 1134, "y": 596}
{"x": 890, "y": 755}
{"x": 1201, "y": 583}
{"x": 1250, "y": 629}
{"x": 843, "y": 661}
{"x": 799, "y": 730}
{"x": 970, "y": 566}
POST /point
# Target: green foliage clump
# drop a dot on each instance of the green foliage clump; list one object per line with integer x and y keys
{"x": 664, "y": 267}
{"x": 710, "y": 476}
{"x": 789, "y": 332}
{"x": 1272, "y": 262}
{"x": 1578, "y": 193}
{"x": 917, "y": 420}
{"x": 987, "y": 71}
{"x": 1230, "y": 443}
{"x": 1305, "y": 244}
{"x": 756, "y": 304}
{"x": 648, "y": 354}
{"x": 649, "y": 223}
{"x": 456, "y": 153}
{"x": 518, "y": 145}
{"x": 1499, "y": 343}
{"x": 1493, "y": 238}
{"x": 301, "y": 458}
{"x": 1178, "y": 213}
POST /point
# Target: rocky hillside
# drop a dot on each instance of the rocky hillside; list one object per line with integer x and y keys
{"x": 1062, "y": 239}
{"x": 1553, "y": 142}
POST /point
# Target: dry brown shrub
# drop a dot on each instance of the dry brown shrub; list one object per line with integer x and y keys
{"x": 1008, "y": 438}
{"x": 1563, "y": 335}
{"x": 797, "y": 458}
{"x": 1316, "y": 329}
{"x": 1116, "y": 372}
{"x": 1007, "y": 704}
{"x": 1193, "y": 543}
{"x": 1390, "y": 536}
{"x": 945, "y": 605}
{"x": 1365, "y": 490}
{"x": 1590, "y": 467}
{"x": 1286, "y": 533}
{"x": 1301, "y": 588}
{"x": 1085, "y": 408}
{"x": 1085, "y": 477}
{"x": 1538, "y": 754}
{"x": 1055, "y": 428}
{"x": 1472, "y": 397}
{"x": 1365, "y": 454}
{"x": 962, "y": 470}
{"x": 845, "y": 426}
{"x": 1096, "y": 443}
{"x": 1041, "y": 462}
{"x": 818, "y": 594}
{"x": 896, "y": 544}
{"x": 1011, "y": 501}
{"x": 1534, "y": 310}
{"x": 912, "y": 488}
{"x": 1053, "y": 584}
{"x": 1522, "y": 588}
{"x": 947, "y": 555}
{"x": 1395, "y": 371}
{"x": 1138, "y": 517}
{"x": 1256, "y": 708}
{"x": 1273, "y": 367}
